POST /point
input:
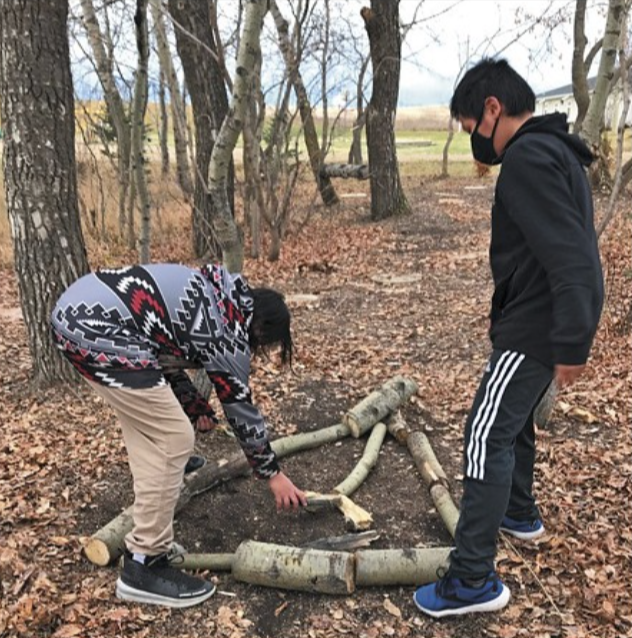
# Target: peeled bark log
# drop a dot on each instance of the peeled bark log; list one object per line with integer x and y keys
{"x": 345, "y": 171}
{"x": 379, "y": 404}
{"x": 415, "y": 566}
{"x": 360, "y": 472}
{"x": 294, "y": 568}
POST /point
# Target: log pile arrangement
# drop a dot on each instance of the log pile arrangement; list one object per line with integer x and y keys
{"x": 334, "y": 565}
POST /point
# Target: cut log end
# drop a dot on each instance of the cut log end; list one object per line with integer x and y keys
{"x": 97, "y": 552}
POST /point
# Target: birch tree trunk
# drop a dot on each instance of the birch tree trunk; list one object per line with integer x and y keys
{"x": 579, "y": 71}
{"x": 382, "y": 25}
{"x": 591, "y": 127}
{"x": 325, "y": 187}
{"x": 625, "y": 107}
{"x": 38, "y": 121}
{"x": 163, "y": 126}
{"x": 177, "y": 103}
{"x": 104, "y": 66}
{"x": 199, "y": 50}
{"x": 224, "y": 225}
{"x": 355, "y": 152}
{"x": 139, "y": 107}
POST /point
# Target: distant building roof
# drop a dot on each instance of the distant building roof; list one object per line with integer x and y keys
{"x": 567, "y": 89}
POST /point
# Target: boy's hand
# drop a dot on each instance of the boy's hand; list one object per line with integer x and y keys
{"x": 565, "y": 375}
{"x": 204, "y": 424}
{"x": 286, "y": 494}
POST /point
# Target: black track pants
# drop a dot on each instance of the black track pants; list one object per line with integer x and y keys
{"x": 499, "y": 454}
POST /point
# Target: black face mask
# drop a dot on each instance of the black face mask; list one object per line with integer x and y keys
{"x": 483, "y": 147}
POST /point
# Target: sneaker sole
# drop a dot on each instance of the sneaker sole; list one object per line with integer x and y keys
{"x": 125, "y": 592}
{"x": 524, "y": 536}
{"x": 491, "y": 605}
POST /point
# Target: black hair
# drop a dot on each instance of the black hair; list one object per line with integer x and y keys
{"x": 270, "y": 323}
{"x": 491, "y": 78}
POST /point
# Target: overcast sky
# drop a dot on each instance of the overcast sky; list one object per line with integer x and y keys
{"x": 437, "y": 49}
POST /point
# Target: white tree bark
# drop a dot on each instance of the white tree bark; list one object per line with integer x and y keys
{"x": 225, "y": 227}
{"x": 176, "y": 101}
{"x": 116, "y": 109}
{"x": 591, "y": 128}
{"x": 139, "y": 108}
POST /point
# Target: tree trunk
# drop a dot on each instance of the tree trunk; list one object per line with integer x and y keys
{"x": 294, "y": 568}
{"x": 38, "y": 122}
{"x": 382, "y": 25}
{"x": 325, "y": 187}
{"x": 355, "y": 152}
{"x": 625, "y": 107}
{"x": 446, "y": 149}
{"x": 176, "y": 101}
{"x": 115, "y": 107}
{"x": 579, "y": 71}
{"x": 224, "y": 225}
{"x": 139, "y": 108}
{"x": 203, "y": 72}
{"x": 163, "y": 126}
{"x": 592, "y": 125}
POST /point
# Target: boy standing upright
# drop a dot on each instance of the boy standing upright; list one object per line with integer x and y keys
{"x": 544, "y": 314}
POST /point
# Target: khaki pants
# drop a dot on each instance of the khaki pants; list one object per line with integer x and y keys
{"x": 159, "y": 440}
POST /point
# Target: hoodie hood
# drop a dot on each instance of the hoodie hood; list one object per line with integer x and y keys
{"x": 555, "y": 124}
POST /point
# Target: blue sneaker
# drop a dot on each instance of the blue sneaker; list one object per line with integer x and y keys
{"x": 452, "y": 596}
{"x": 525, "y": 530}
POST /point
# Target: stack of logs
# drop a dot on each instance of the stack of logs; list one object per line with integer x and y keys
{"x": 327, "y": 567}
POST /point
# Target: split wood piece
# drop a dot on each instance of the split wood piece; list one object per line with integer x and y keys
{"x": 107, "y": 544}
{"x": 414, "y": 566}
{"x": 436, "y": 479}
{"x": 356, "y": 518}
{"x": 364, "y": 466}
{"x": 212, "y": 562}
{"x": 397, "y": 427}
{"x": 346, "y": 542}
{"x": 311, "y": 570}
{"x": 379, "y": 404}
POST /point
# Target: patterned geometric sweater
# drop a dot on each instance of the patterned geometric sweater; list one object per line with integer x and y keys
{"x": 114, "y": 324}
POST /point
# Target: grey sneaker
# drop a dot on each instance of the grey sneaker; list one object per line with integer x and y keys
{"x": 156, "y": 582}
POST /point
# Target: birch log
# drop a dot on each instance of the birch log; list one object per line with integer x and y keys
{"x": 397, "y": 427}
{"x": 413, "y": 566}
{"x": 211, "y": 562}
{"x": 345, "y": 171}
{"x": 360, "y": 472}
{"x": 311, "y": 570}
{"x": 434, "y": 476}
{"x": 379, "y": 404}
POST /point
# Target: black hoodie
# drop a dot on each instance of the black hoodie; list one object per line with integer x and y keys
{"x": 544, "y": 254}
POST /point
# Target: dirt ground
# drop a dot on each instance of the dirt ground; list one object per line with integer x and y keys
{"x": 407, "y": 296}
